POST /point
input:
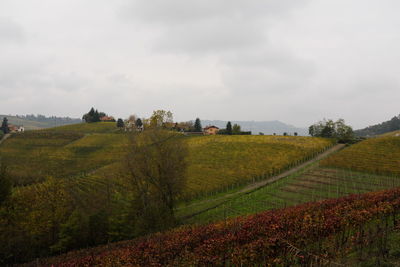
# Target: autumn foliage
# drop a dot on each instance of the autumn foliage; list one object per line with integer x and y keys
{"x": 315, "y": 231}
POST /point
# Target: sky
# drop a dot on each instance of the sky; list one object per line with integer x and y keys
{"x": 294, "y": 61}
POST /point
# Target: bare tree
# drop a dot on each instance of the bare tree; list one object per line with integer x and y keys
{"x": 156, "y": 163}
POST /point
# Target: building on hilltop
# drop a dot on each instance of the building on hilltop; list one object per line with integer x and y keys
{"x": 16, "y": 128}
{"x": 107, "y": 119}
{"x": 211, "y": 130}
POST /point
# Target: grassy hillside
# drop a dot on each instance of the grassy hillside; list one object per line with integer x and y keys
{"x": 310, "y": 185}
{"x": 359, "y": 229}
{"x": 61, "y": 152}
{"x": 215, "y": 162}
{"x": 379, "y": 155}
{"x": 71, "y": 180}
{"x": 218, "y": 162}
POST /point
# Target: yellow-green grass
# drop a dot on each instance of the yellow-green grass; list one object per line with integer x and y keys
{"x": 380, "y": 155}
{"x": 33, "y": 156}
{"x": 214, "y": 162}
{"x": 218, "y": 162}
{"x": 313, "y": 184}
{"x": 97, "y": 127}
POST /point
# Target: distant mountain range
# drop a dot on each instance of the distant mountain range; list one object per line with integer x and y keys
{"x": 35, "y": 122}
{"x": 381, "y": 128}
{"x": 265, "y": 127}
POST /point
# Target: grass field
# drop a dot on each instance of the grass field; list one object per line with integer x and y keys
{"x": 33, "y": 156}
{"x": 219, "y": 162}
{"x": 311, "y": 185}
{"x": 215, "y": 162}
{"x": 379, "y": 155}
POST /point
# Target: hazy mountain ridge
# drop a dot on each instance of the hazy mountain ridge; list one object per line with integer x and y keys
{"x": 35, "y": 122}
{"x": 387, "y": 126}
{"x": 266, "y": 127}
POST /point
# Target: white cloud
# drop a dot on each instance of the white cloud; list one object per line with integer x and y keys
{"x": 296, "y": 61}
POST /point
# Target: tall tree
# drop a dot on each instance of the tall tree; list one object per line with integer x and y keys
{"x": 236, "y": 129}
{"x": 4, "y": 126}
{"x": 93, "y": 115}
{"x": 161, "y": 118}
{"x": 139, "y": 123}
{"x": 229, "y": 128}
{"x": 330, "y": 129}
{"x": 157, "y": 171}
{"x": 197, "y": 125}
{"x": 120, "y": 123}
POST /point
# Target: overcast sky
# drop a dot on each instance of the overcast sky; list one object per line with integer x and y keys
{"x": 297, "y": 61}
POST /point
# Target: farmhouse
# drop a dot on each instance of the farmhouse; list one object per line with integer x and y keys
{"x": 16, "y": 129}
{"x": 211, "y": 130}
{"x": 107, "y": 118}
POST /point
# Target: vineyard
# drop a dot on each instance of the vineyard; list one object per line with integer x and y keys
{"x": 216, "y": 163}
{"x": 98, "y": 127}
{"x": 33, "y": 156}
{"x": 380, "y": 155}
{"x": 313, "y": 184}
{"x": 336, "y": 232}
{"x": 64, "y": 174}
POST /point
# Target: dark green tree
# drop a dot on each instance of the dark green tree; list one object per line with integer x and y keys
{"x": 139, "y": 123}
{"x": 96, "y": 116}
{"x": 197, "y": 125}
{"x": 93, "y": 115}
{"x": 120, "y": 123}
{"x": 229, "y": 128}
{"x": 4, "y": 126}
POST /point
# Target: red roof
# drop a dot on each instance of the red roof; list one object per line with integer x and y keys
{"x": 209, "y": 127}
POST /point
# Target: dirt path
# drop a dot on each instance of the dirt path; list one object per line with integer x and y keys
{"x": 4, "y": 138}
{"x": 257, "y": 185}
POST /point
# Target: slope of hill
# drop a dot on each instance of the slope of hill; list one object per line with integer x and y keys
{"x": 32, "y": 122}
{"x": 379, "y": 155}
{"x": 338, "y": 232}
{"x": 384, "y": 127}
{"x": 68, "y": 171}
{"x": 266, "y": 127}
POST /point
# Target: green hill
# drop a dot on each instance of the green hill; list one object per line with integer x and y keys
{"x": 379, "y": 155}
{"x": 381, "y": 128}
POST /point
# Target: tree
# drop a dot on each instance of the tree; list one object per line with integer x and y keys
{"x": 139, "y": 123}
{"x": 120, "y": 123}
{"x": 229, "y": 128}
{"x": 197, "y": 125}
{"x": 4, "y": 126}
{"x": 330, "y": 129}
{"x": 285, "y": 134}
{"x": 93, "y": 116}
{"x": 161, "y": 118}
{"x": 295, "y": 134}
{"x": 156, "y": 163}
{"x": 236, "y": 129}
